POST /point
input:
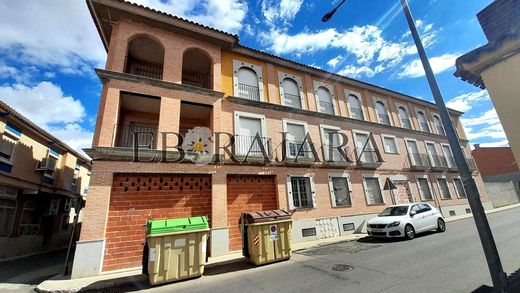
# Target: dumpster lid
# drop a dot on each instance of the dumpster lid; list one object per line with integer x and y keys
{"x": 267, "y": 216}
{"x": 177, "y": 225}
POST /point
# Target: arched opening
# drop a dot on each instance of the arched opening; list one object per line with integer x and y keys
{"x": 403, "y": 116}
{"x": 354, "y": 105}
{"x": 438, "y": 125}
{"x": 423, "y": 122}
{"x": 382, "y": 113}
{"x": 325, "y": 100}
{"x": 291, "y": 93}
{"x": 196, "y": 69}
{"x": 248, "y": 84}
{"x": 145, "y": 57}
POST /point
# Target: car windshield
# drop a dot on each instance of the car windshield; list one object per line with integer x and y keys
{"x": 394, "y": 211}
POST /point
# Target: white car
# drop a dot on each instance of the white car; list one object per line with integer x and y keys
{"x": 406, "y": 221}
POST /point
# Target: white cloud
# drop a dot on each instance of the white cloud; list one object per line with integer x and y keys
{"x": 46, "y": 105}
{"x": 284, "y": 10}
{"x": 439, "y": 64}
{"x": 501, "y": 143}
{"x": 227, "y": 15}
{"x": 354, "y": 71}
{"x": 485, "y": 125}
{"x": 466, "y": 101}
{"x": 334, "y": 61}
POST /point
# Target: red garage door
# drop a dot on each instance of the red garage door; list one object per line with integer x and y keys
{"x": 247, "y": 193}
{"x": 137, "y": 198}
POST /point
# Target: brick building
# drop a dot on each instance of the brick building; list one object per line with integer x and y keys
{"x": 166, "y": 74}
{"x": 41, "y": 182}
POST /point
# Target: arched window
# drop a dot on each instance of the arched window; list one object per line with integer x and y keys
{"x": 354, "y": 105}
{"x": 248, "y": 84}
{"x": 291, "y": 93}
{"x": 196, "y": 69}
{"x": 145, "y": 57}
{"x": 382, "y": 113}
{"x": 423, "y": 122}
{"x": 403, "y": 116}
{"x": 325, "y": 103}
{"x": 438, "y": 125}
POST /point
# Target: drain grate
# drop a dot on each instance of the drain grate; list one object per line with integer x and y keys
{"x": 341, "y": 268}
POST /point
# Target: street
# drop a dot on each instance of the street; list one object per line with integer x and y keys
{"x": 435, "y": 262}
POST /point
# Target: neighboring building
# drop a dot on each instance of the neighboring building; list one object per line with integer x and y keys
{"x": 500, "y": 173}
{"x": 496, "y": 65}
{"x": 167, "y": 74}
{"x": 41, "y": 182}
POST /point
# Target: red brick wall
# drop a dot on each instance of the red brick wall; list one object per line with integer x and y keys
{"x": 137, "y": 198}
{"x": 494, "y": 160}
{"x": 247, "y": 193}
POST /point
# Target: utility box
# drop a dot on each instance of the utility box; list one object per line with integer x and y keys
{"x": 267, "y": 236}
{"x": 176, "y": 249}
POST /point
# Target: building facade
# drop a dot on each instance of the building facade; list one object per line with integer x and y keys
{"x": 168, "y": 75}
{"x": 42, "y": 181}
{"x": 495, "y": 65}
{"x": 500, "y": 173}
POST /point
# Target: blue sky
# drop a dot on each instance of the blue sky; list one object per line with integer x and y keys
{"x": 48, "y": 50}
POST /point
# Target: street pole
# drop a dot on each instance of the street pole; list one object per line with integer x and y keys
{"x": 484, "y": 231}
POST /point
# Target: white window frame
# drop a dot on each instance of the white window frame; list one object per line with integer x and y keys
{"x": 263, "y": 124}
{"x": 419, "y": 121}
{"x": 354, "y": 133}
{"x": 439, "y": 187}
{"x": 294, "y": 122}
{"x": 15, "y": 139}
{"x": 358, "y": 95}
{"x": 237, "y": 64}
{"x": 331, "y": 188}
{"x": 298, "y": 80}
{"x": 290, "y": 199}
{"x": 405, "y": 107}
{"x": 456, "y": 190}
{"x": 383, "y": 136}
{"x": 421, "y": 195}
{"x": 318, "y": 84}
{"x": 365, "y": 188}
{"x": 387, "y": 108}
{"x": 324, "y": 128}
{"x": 435, "y": 126}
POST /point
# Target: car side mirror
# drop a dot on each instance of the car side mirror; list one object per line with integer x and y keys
{"x": 412, "y": 213}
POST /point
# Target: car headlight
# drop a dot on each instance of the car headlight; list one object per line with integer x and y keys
{"x": 394, "y": 224}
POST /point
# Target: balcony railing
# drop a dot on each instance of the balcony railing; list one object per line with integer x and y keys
{"x": 249, "y": 92}
{"x": 406, "y": 123}
{"x": 195, "y": 78}
{"x": 144, "y": 68}
{"x": 471, "y": 164}
{"x": 293, "y": 101}
{"x": 384, "y": 119}
{"x": 438, "y": 162}
{"x": 425, "y": 127}
{"x": 293, "y": 147}
{"x": 419, "y": 161}
{"x": 146, "y": 135}
{"x": 368, "y": 159}
{"x": 356, "y": 113}
{"x": 450, "y": 160}
{"x": 326, "y": 107}
{"x": 245, "y": 144}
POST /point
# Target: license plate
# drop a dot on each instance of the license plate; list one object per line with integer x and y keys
{"x": 377, "y": 230}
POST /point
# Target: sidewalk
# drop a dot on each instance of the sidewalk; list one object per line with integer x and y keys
{"x": 64, "y": 284}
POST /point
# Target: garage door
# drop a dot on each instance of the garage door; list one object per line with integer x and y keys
{"x": 247, "y": 193}
{"x": 137, "y": 198}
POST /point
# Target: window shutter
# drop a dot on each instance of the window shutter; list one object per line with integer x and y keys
{"x": 290, "y": 200}
{"x": 313, "y": 192}
{"x": 332, "y": 195}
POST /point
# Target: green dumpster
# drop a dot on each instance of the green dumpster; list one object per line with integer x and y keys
{"x": 176, "y": 248}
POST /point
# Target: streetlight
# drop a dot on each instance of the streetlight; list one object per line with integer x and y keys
{"x": 484, "y": 231}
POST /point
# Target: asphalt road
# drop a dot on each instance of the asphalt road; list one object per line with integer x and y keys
{"x": 435, "y": 262}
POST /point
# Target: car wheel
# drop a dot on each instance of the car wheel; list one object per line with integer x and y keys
{"x": 409, "y": 232}
{"x": 441, "y": 225}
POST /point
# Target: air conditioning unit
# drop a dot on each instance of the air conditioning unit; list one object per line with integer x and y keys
{"x": 47, "y": 164}
{"x": 54, "y": 207}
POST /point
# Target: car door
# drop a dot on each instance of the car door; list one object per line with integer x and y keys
{"x": 428, "y": 217}
{"x": 417, "y": 220}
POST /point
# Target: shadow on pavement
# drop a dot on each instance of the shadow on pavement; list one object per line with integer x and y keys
{"x": 370, "y": 239}
{"x": 513, "y": 281}
{"x": 32, "y": 270}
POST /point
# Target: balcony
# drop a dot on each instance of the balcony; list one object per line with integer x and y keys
{"x": 384, "y": 119}
{"x": 326, "y": 107}
{"x": 293, "y": 101}
{"x": 418, "y": 161}
{"x": 146, "y": 135}
{"x": 293, "y": 147}
{"x": 247, "y": 144}
{"x": 197, "y": 68}
{"x": 471, "y": 165}
{"x": 249, "y": 92}
{"x": 144, "y": 68}
{"x": 452, "y": 166}
{"x": 438, "y": 163}
{"x": 369, "y": 159}
{"x": 145, "y": 58}
{"x": 197, "y": 79}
